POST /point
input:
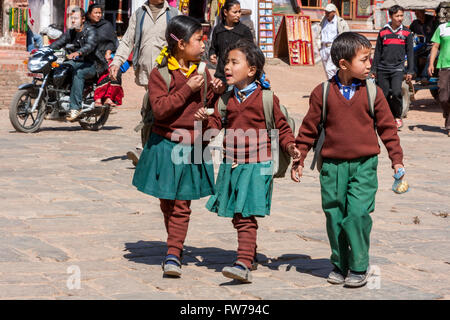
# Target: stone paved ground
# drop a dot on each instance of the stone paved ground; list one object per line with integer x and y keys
{"x": 67, "y": 205}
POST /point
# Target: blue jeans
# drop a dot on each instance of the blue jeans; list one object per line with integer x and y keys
{"x": 34, "y": 41}
{"x": 81, "y": 71}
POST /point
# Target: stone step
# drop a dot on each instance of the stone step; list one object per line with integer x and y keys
{"x": 360, "y": 25}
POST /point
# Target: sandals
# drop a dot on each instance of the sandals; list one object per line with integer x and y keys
{"x": 236, "y": 273}
{"x": 171, "y": 269}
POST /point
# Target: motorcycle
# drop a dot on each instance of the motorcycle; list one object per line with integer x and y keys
{"x": 48, "y": 95}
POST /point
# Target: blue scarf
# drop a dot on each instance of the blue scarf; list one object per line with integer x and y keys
{"x": 247, "y": 91}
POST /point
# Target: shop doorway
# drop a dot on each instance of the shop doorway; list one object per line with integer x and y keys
{"x": 58, "y": 14}
{"x": 197, "y": 10}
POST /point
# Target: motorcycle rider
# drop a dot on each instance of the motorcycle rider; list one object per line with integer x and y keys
{"x": 423, "y": 26}
{"x": 83, "y": 37}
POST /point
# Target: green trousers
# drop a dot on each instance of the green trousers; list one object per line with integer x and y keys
{"x": 348, "y": 189}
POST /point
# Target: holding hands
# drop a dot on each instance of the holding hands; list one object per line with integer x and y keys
{"x": 296, "y": 170}
{"x": 293, "y": 151}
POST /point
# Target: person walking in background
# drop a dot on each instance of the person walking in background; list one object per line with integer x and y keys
{"x": 228, "y": 31}
{"x": 441, "y": 43}
{"x": 423, "y": 27}
{"x": 145, "y": 37}
{"x": 394, "y": 42}
{"x": 108, "y": 92}
{"x": 330, "y": 27}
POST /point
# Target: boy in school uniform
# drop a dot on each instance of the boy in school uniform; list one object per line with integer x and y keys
{"x": 348, "y": 176}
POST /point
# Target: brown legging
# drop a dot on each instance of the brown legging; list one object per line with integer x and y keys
{"x": 246, "y": 229}
{"x": 176, "y": 218}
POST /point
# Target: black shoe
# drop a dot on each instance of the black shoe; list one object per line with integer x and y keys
{"x": 134, "y": 155}
{"x": 336, "y": 276}
{"x": 356, "y": 279}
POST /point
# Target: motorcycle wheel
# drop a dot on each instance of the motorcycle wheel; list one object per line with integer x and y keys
{"x": 20, "y": 115}
{"x": 95, "y": 121}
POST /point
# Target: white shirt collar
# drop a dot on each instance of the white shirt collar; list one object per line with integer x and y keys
{"x": 394, "y": 31}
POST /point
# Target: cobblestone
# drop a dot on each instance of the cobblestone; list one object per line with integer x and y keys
{"x": 66, "y": 201}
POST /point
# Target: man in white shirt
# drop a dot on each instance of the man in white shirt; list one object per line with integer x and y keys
{"x": 330, "y": 27}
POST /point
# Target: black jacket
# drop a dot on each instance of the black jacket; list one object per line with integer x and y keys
{"x": 220, "y": 41}
{"x": 426, "y": 29}
{"x": 106, "y": 40}
{"x": 86, "y": 44}
{"x": 391, "y": 49}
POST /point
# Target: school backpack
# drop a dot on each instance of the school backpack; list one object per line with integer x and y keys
{"x": 284, "y": 159}
{"x": 147, "y": 119}
{"x": 318, "y": 143}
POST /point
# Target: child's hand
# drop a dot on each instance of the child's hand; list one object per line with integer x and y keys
{"x": 196, "y": 82}
{"x": 296, "y": 171}
{"x": 293, "y": 151}
{"x": 218, "y": 86}
{"x": 397, "y": 167}
{"x": 201, "y": 115}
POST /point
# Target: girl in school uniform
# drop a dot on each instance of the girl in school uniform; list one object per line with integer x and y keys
{"x": 159, "y": 172}
{"x": 244, "y": 183}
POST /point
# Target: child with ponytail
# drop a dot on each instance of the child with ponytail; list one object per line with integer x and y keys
{"x": 244, "y": 183}
{"x": 174, "y": 101}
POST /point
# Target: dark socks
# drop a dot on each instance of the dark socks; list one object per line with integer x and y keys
{"x": 170, "y": 261}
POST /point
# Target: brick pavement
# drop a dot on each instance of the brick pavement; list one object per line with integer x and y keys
{"x": 67, "y": 202}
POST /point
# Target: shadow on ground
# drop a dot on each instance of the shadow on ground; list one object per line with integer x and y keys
{"x": 428, "y": 128}
{"x": 152, "y": 253}
{"x": 427, "y": 105}
{"x": 124, "y": 157}
{"x": 77, "y": 128}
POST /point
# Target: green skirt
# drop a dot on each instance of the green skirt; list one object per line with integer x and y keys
{"x": 157, "y": 175}
{"x": 244, "y": 189}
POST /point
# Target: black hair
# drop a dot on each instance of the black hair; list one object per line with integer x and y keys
{"x": 394, "y": 9}
{"x": 254, "y": 55}
{"x": 182, "y": 28}
{"x": 346, "y": 45}
{"x": 227, "y": 6}
{"x": 94, "y": 6}
{"x": 78, "y": 9}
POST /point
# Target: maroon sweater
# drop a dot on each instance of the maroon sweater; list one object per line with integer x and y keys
{"x": 175, "y": 108}
{"x": 250, "y": 115}
{"x": 349, "y": 130}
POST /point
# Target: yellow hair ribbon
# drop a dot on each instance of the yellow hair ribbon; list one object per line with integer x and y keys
{"x": 161, "y": 55}
{"x": 173, "y": 64}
